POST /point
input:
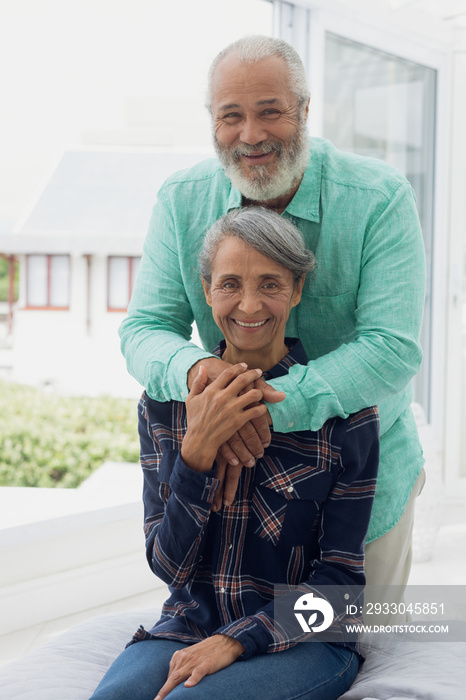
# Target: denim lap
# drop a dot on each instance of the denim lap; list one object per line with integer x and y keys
{"x": 308, "y": 671}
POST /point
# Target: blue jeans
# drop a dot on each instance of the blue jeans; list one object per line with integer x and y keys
{"x": 309, "y": 671}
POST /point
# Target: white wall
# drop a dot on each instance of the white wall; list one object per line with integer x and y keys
{"x": 59, "y": 349}
{"x": 77, "y": 72}
{"x": 455, "y": 341}
{"x": 62, "y": 350}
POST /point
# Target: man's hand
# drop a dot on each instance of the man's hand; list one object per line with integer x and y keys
{"x": 202, "y": 659}
{"x": 213, "y": 365}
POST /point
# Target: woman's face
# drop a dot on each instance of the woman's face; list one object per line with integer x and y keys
{"x": 251, "y": 298}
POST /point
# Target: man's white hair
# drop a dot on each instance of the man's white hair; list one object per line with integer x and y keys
{"x": 251, "y": 49}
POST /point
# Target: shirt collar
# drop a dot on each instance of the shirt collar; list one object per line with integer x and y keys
{"x": 235, "y": 199}
{"x": 306, "y": 202}
{"x": 296, "y": 356}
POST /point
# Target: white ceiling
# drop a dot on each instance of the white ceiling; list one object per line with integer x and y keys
{"x": 449, "y": 11}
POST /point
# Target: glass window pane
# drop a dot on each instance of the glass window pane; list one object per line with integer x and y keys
{"x": 37, "y": 280}
{"x": 59, "y": 281}
{"x": 383, "y": 106}
{"x": 135, "y": 264}
{"x": 118, "y": 282}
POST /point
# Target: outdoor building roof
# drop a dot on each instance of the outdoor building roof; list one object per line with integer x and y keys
{"x": 96, "y": 201}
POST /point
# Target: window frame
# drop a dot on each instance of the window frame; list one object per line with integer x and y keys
{"x": 131, "y": 280}
{"x": 305, "y": 24}
{"x": 48, "y": 306}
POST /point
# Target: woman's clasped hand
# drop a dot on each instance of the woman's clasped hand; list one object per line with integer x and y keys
{"x": 218, "y": 410}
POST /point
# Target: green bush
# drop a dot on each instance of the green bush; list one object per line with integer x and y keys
{"x": 4, "y": 280}
{"x": 50, "y": 440}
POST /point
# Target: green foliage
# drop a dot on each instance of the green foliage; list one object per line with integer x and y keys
{"x": 4, "y": 280}
{"x": 50, "y": 440}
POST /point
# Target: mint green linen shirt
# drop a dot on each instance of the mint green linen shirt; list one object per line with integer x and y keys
{"x": 359, "y": 318}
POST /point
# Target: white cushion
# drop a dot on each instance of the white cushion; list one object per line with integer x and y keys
{"x": 399, "y": 667}
{"x": 70, "y": 666}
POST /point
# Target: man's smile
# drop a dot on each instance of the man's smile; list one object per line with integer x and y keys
{"x": 257, "y": 159}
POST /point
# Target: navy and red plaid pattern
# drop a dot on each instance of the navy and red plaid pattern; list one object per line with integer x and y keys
{"x": 300, "y": 518}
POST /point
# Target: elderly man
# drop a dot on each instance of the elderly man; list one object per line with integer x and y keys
{"x": 360, "y": 314}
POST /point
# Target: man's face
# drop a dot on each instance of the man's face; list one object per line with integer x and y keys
{"x": 259, "y": 131}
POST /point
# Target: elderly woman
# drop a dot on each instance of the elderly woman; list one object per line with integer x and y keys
{"x": 299, "y": 518}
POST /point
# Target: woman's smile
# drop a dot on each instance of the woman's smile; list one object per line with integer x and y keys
{"x": 250, "y": 324}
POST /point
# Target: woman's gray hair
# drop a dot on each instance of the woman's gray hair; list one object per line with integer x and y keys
{"x": 264, "y": 230}
{"x": 251, "y": 49}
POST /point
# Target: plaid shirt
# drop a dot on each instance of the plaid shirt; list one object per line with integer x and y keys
{"x": 300, "y": 517}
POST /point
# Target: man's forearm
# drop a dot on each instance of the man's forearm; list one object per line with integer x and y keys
{"x": 339, "y": 384}
{"x": 159, "y": 360}
{"x": 155, "y": 335}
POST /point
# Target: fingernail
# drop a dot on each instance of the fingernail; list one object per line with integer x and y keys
{"x": 251, "y": 463}
{"x": 226, "y": 503}
{"x": 265, "y": 444}
{"x": 243, "y": 364}
{"x": 214, "y": 508}
{"x": 234, "y": 462}
{"x": 259, "y": 371}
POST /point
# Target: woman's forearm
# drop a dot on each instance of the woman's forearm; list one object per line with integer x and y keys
{"x": 176, "y": 517}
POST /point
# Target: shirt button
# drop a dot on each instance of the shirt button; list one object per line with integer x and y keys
{"x": 222, "y": 590}
{"x": 230, "y": 546}
{"x": 291, "y": 424}
{"x": 290, "y": 489}
{"x": 346, "y": 596}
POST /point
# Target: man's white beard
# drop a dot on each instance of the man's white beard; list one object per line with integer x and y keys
{"x": 260, "y": 186}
